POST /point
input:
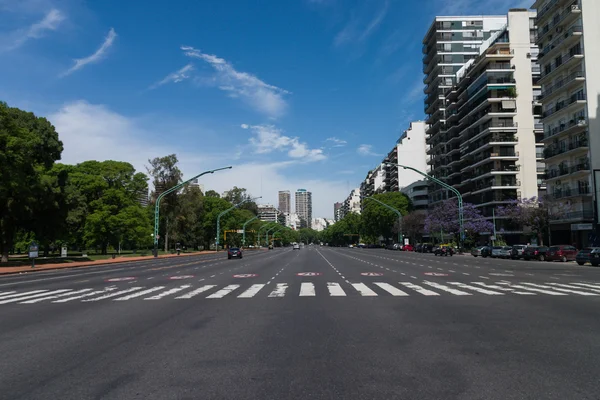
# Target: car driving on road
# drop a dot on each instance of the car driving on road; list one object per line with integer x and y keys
{"x": 234, "y": 252}
{"x": 296, "y": 246}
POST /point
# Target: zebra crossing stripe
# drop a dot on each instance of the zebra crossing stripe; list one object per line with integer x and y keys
{"x": 447, "y": 289}
{"x": 31, "y": 296}
{"x": 307, "y": 289}
{"x": 475, "y": 289}
{"x": 279, "y": 290}
{"x": 22, "y": 294}
{"x": 251, "y": 291}
{"x": 107, "y": 296}
{"x": 5, "y": 293}
{"x": 223, "y": 292}
{"x": 54, "y": 297}
{"x": 533, "y": 289}
{"x": 506, "y": 289}
{"x": 363, "y": 289}
{"x": 572, "y": 286}
{"x": 168, "y": 292}
{"x": 138, "y": 294}
{"x": 391, "y": 289}
{"x": 108, "y": 289}
{"x": 587, "y": 285}
{"x": 561, "y": 290}
{"x": 195, "y": 292}
{"x": 335, "y": 289}
{"x": 419, "y": 289}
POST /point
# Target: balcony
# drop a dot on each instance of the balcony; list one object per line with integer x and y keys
{"x": 580, "y": 167}
{"x": 562, "y": 105}
{"x": 574, "y": 55}
{"x": 564, "y": 39}
{"x": 577, "y": 76}
{"x": 570, "y": 192}
{"x": 571, "y": 127}
{"x": 555, "y": 151}
{"x": 573, "y": 10}
{"x": 585, "y": 215}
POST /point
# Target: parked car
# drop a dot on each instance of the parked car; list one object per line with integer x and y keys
{"x": 497, "y": 252}
{"x": 426, "y": 248}
{"x": 234, "y": 252}
{"x": 595, "y": 257}
{"x": 563, "y": 253}
{"x": 535, "y": 253}
{"x": 486, "y": 251}
{"x": 476, "y": 252}
{"x": 443, "y": 251}
{"x": 585, "y": 255}
{"x": 517, "y": 251}
{"x": 408, "y": 247}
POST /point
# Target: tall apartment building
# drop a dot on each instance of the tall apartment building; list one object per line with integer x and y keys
{"x": 367, "y": 186}
{"x": 337, "y": 211}
{"x": 304, "y": 206}
{"x": 449, "y": 43}
{"x": 411, "y": 150}
{"x": 285, "y": 201}
{"x": 267, "y": 213}
{"x": 568, "y": 34}
{"x": 491, "y": 153}
{"x": 417, "y": 192}
{"x": 352, "y": 202}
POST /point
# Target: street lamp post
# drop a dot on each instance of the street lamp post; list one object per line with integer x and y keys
{"x": 225, "y": 212}
{"x": 461, "y": 224}
{"x": 267, "y": 234}
{"x": 166, "y": 192}
{"x": 244, "y": 229}
{"x": 260, "y": 229}
{"x": 273, "y": 235}
{"x": 400, "y": 236}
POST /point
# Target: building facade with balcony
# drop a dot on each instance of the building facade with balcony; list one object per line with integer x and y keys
{"x": 337, "y": 211}
{"x": 417, "y": 192}
{"x": 449, "y": 43}
{"x": 493, "y": 150}
{"x": 352, "y": 203}
{"x": 267, "y": 212}
{"x": 568, "y": 33}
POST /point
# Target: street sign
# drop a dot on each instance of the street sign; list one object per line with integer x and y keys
{"x": 240, "y": 231}
{"x": 63, "y": 251}
{"x": 406, "y": 241}
{"x": 33, "y": 250}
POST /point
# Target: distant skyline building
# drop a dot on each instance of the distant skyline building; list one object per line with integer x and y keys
{"x": 285, "y": 201}
{"x": 198, "y": 185}
{"x": 267, "y": 212}
{"x": 337, "y": 211}
{"x": 304, "y": 206}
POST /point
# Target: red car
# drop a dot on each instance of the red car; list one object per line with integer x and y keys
{"x": 408, "y": 247}
{"x": 562, "y": 253}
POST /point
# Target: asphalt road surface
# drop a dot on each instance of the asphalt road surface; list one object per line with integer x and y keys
{"x": 315, "y": 323}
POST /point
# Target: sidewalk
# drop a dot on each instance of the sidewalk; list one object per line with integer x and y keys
{"x": 47, "y": 267}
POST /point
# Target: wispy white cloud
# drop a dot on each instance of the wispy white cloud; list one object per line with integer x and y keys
{"x": 336, "y": 142}
{"x": 359, "y": 30}
{"x": 268, "y": 138}
{"x": 175, "y": 77}
{"x": 265, "y": 98}
{"x": 97, "y": 56}
{"x": 366, "y": 150}
{"x": 50, "y": 22}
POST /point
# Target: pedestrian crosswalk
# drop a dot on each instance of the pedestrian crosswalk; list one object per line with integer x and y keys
{"x": 303, "y": 289}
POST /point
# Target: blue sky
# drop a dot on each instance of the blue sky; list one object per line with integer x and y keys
{"x": 294, "y": 93}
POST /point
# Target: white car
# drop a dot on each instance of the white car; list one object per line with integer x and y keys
{"x": 296, "y": 246}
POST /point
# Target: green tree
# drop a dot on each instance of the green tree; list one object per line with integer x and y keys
{"x": 189, "y": 217}
{"x": 379, "y": 220}
{"x": 212, "y": 193}
{"x": 29, "y": 146}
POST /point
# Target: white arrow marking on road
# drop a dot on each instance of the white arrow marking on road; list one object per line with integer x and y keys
{"x": 251, "y": 291}
{"x": 22, "y": 294}
{"x": 335, "y": 289}
{"x": 17, "y": 299}
{"x": 55, "y": 296}
{"x": 196, "y": 292}
{"x": 447, "y": 289}
{"x": 307, "y": 289}
{"x": 223, "y": 292}
{"x": 533, "y": 290}
{"x": 279, "y": 290}
{"x": 138, "y": 294}
{"x": 391, "y": 289}
{"x": 168, "y": 292}
{"x": 107, "y": 296}
{"x": 561, "y": 290}
{"x": 475, "y": 289}
{"x": 363, "y": 289}
{"x": 419, "y": 289}
{"x": 108, "y": 289}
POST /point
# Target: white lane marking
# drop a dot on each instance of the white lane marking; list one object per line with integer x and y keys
{"x": 22, "y": 294}
{"x": 414, "y": 277}
{"x": 307, "y": 289}
{"x": 572, "y": 286}
{"x": 451, "y": 270}
{"x": 391, "y": 289}
{"x": 251, "y": 291}
{"x": 5, "y": 293}
{"x": 447, "y": 289}
{"x": 55, "y": 296}
{"x": 533, "y": 289}
{"x": 484, "y": 277}
{"x": 560, "y": 290}
{"x": 586, "y": 285}
{"x": 138, "y": 294}
{"x": 439, "y": 269}
{"x": 32, "y": 296}
{"x": 279, "y": 290}
{"x": 475, "y": 289}
{"x": 466, "y": 273}
{"x": 363, "y": 289}
{"x": 107, "y": 289}
{"x": 196, "y": 292}
{"x": 419, "y": 289}
{"x": 335, "y": 289}
{"x": 107, "y": 296}
{"x": 168, "y": 292}
{"x": 505, "y": 289}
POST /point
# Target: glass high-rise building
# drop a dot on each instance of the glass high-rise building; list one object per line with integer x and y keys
{"x": 304, "y": 206}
